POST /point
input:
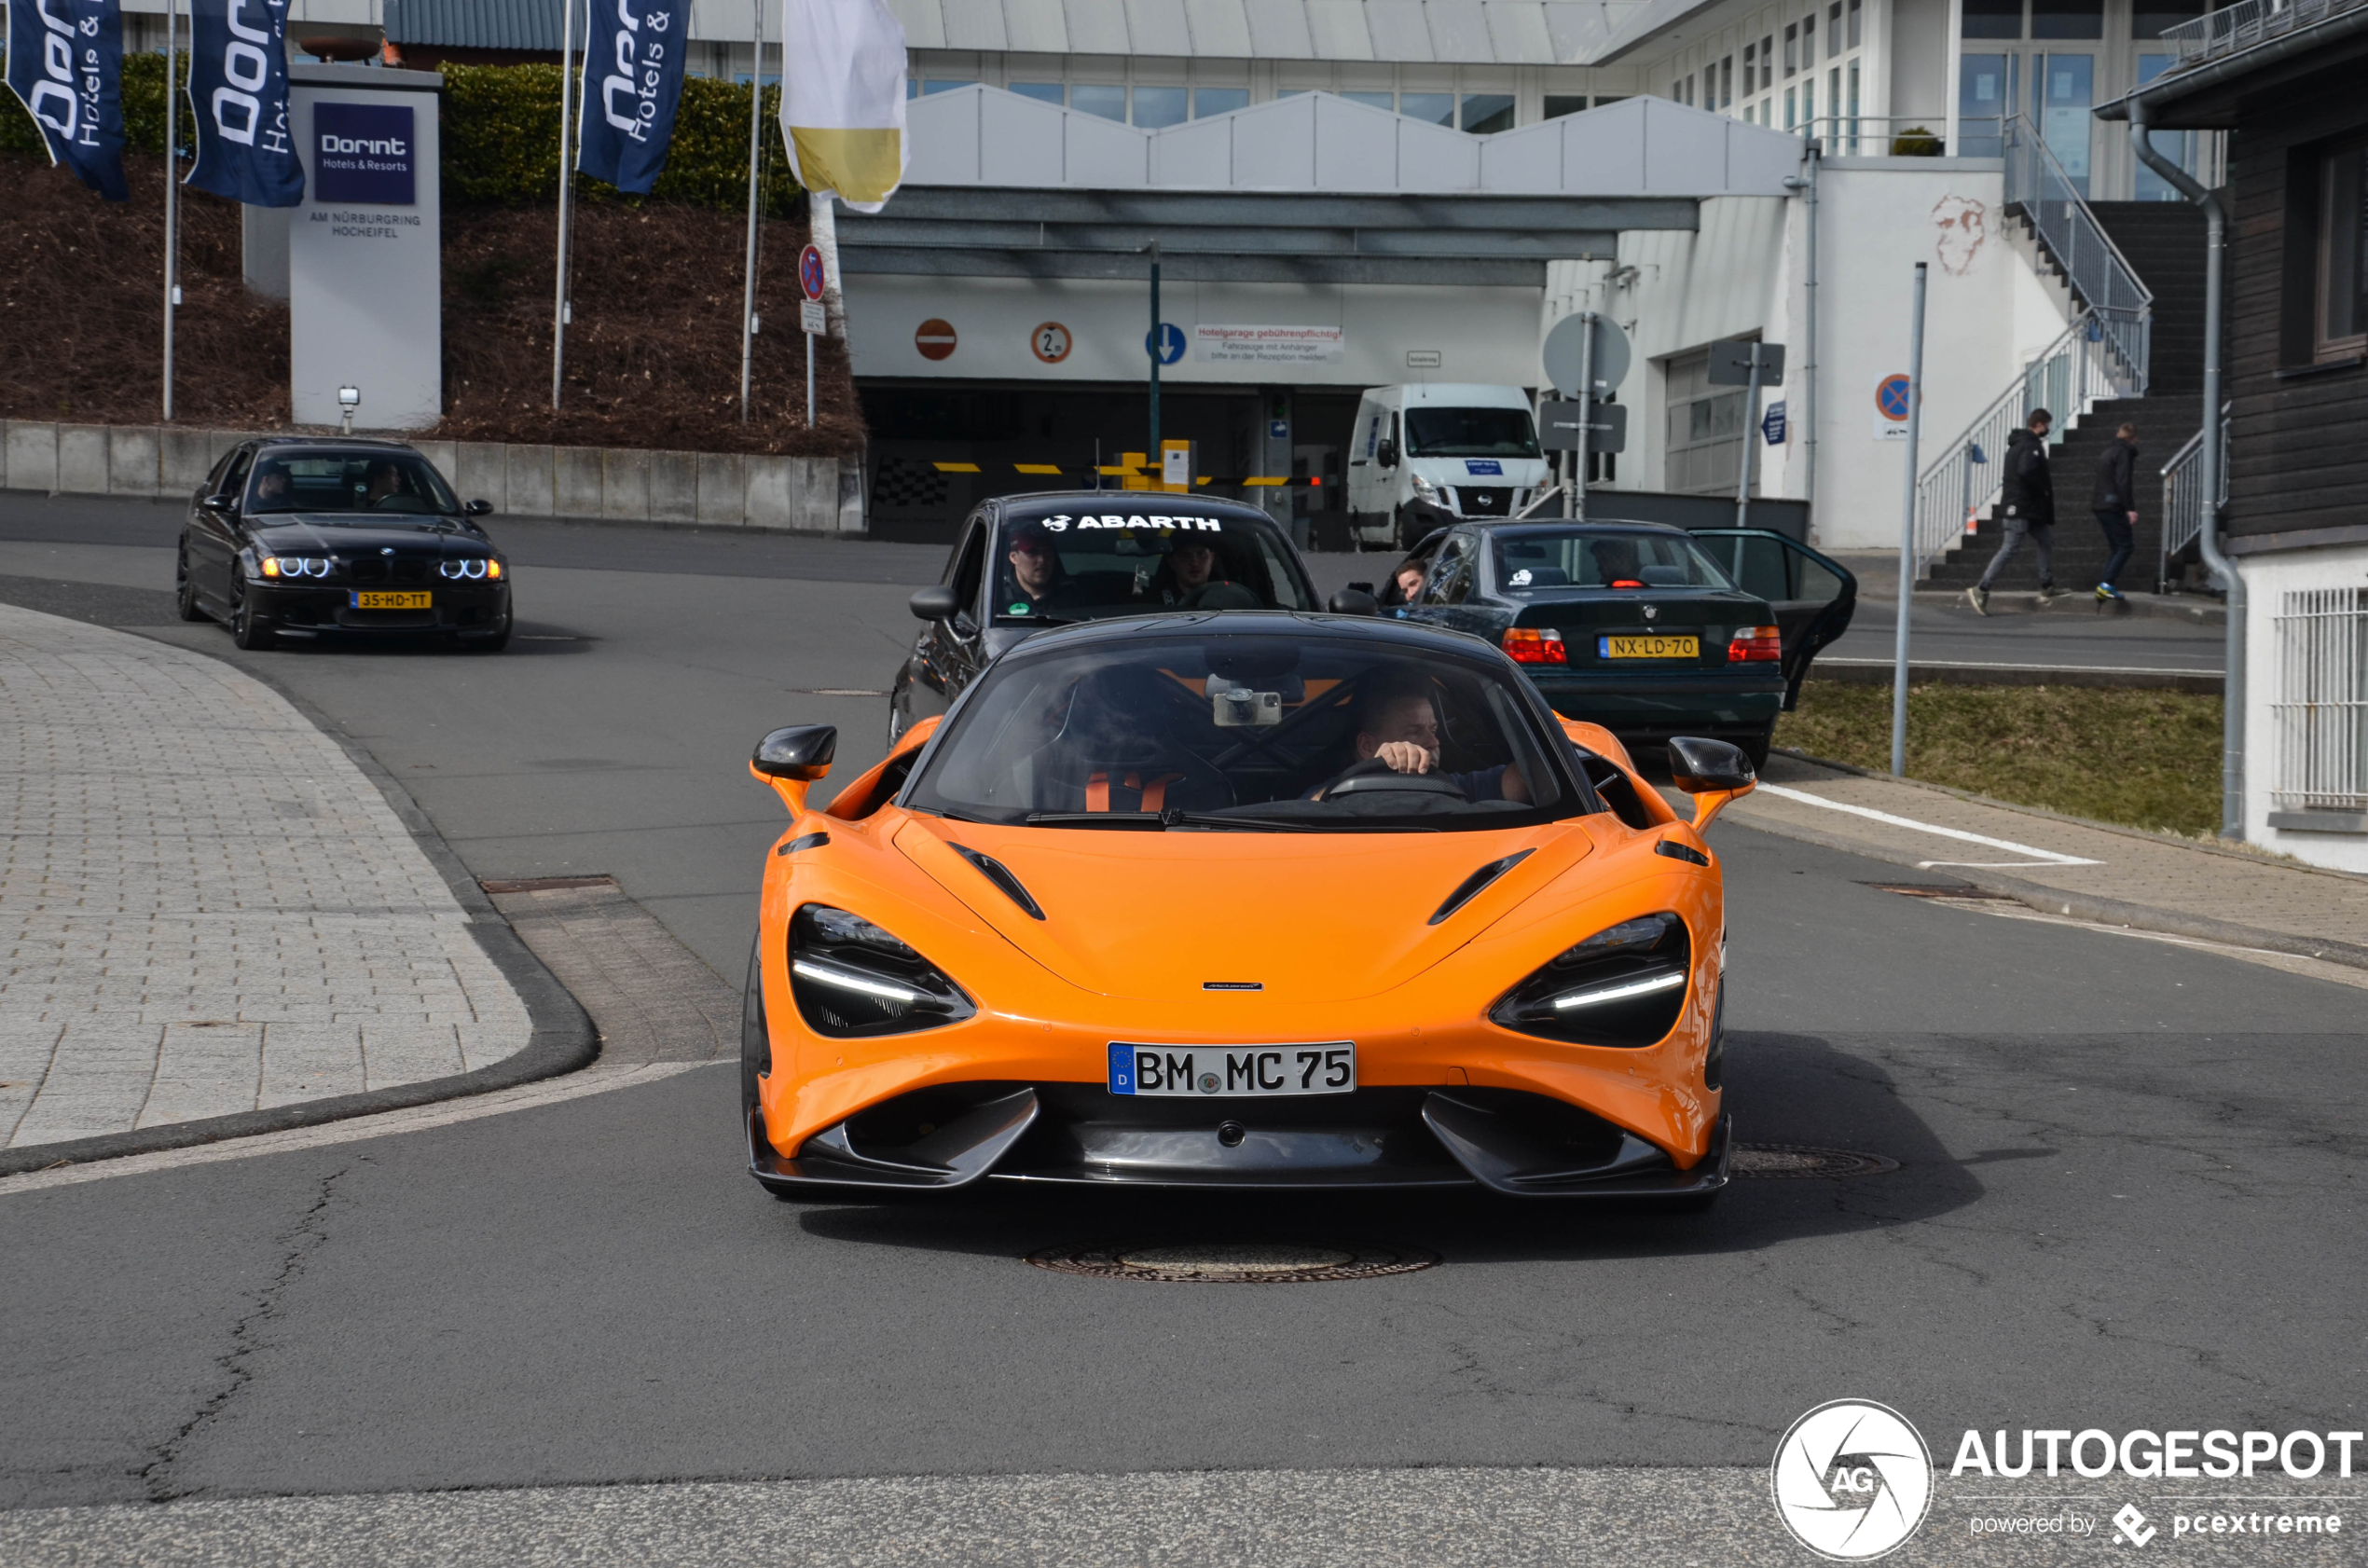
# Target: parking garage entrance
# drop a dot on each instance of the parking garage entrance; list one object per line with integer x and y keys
{"x": 938, "y": 447}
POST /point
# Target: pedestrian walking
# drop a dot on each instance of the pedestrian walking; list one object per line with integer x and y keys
{"x": 2115, "y": 502}
{"x": 2026, "y": 502}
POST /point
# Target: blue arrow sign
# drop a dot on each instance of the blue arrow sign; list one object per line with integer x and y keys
{"x": 1171, "y": 347}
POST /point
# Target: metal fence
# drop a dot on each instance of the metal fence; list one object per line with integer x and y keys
{"x": 2094, "y": 269}
{"x": 2184, "y": 497}
{"x": 2071, "y": 376}
{"x": 2320, "y": 716}
{"x": 1879, "y": 135}
{"x": 2246, "y": 23}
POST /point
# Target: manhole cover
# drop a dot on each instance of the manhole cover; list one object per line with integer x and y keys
{"x": 1234, "y": 1262}
{"x": 1767, "y": 1160}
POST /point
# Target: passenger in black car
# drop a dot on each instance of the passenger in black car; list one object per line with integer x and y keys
{"x": 1187, "y": 580}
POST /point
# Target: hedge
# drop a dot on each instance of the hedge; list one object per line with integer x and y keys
{"x": 501, "y": 137}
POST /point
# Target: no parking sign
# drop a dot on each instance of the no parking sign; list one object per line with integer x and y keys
{"x": 1891, "y": 409}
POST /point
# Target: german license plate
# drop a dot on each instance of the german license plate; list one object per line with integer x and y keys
{"x": 1243, "y": 1072}
{"x": 1649, "y": 647}
{"x": 411, "y": 600}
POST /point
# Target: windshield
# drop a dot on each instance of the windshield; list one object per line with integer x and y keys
{"x": 1251, "y": 730}
{"x": 1469, "y": 432}
{"x": 1596, "y": 560}
{"x": 352, "y": 481}
{"x": 1066, "y": 567}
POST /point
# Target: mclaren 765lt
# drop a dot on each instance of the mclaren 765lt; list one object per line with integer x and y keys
{"x": 1252, "y": 899}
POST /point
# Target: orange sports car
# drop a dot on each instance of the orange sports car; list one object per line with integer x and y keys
{"x": 1258, "y": 900}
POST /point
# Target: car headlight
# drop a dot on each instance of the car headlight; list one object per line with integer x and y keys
{"x": 1624, "y": 987}
{"x": 296, "y": 566}
{"x": 852, "y": 979}
{"x": 1425, "y": 490}
{"x": 475, "y": 569}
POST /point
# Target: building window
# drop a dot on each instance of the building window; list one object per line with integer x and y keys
{"x": 2148, "y": 17}
{"x": 1558, "y": 105}
{"x": 2067, "y": 18}
{"x": 1809, "y": 102}
{"x": 1438, "y": 108}
{"x": 2320, "y": 713}
{"x": 1208, "y": 101}
{"x": 1706, "y": 429}
{"x": 1727, "y": 83}
{"x": 1834, "y": 94}
{"x": 1043, "y": 92}
{"x": 1099, "y": 98}
{"x": 1791, "y": 108}
{"x": 1485, "y": 114}
{"x": 1809, "y": 42}
{"x": 1751, "y": 74}
{"x": 1372, "y": 100}
{"x": 1158, "y": 106}
{"x": 2340, "y": 309}
{"x": 1792, "y": 50}
{"x": 1854, "y": 22}
{"x": 1834, "y": 29}
{"x": 1993, "y": 19}
{"x": 942, "y": 84}
{"x": 1766, "y": 63}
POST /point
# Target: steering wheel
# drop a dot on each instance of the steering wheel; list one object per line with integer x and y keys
{"x": 1373, "y": 777}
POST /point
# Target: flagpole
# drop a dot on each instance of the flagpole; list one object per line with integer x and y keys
{"x": 756, "y": 140}
{"x": 559, "y": 286}
{"x": 172, "y": 195}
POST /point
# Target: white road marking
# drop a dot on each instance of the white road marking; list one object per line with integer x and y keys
{"x": 592, "y": 1079}
{"x": 2041, "y": 857}
{"x": 2292, "y": 963}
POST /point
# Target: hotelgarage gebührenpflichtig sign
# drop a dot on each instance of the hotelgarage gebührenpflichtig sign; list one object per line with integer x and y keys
{"x": 364, "y": 249}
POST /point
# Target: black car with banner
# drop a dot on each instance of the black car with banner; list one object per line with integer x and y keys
{"x": 1025, "y": 562}
{"x": 309, "y": 538}
{"x": 1647, "y": 630}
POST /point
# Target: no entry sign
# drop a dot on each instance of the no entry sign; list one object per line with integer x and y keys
{"x": 934, "y": 338}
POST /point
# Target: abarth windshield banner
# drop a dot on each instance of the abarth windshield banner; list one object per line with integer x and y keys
{"x": 239, "y": 86}
{"x": 631, "y": 88}
{"x": 65, "y": 63}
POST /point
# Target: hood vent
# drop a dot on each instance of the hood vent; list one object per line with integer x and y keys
{"x": 997, "y": 873}
{"x": 1472, "y": 884}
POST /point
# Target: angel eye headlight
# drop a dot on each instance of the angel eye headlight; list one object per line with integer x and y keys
{"x": 853, "y": 979}
{"x": 1623, "y": 986}
{"x": 474, "y": 568}
{"x": 296, "y": 566}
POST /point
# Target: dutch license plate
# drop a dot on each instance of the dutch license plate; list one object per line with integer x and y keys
{"x": 410, "y": 600}
{"x": 1249, "y": 1071}
{"x": 1649, "y": 647}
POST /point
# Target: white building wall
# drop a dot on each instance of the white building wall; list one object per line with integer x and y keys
{"x": 2268, "y": 578}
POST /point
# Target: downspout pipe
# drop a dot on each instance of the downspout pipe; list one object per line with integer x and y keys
{"x": 2232, "y": 764}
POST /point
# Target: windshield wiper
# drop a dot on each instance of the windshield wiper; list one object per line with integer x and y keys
{"x": 1175, "y": 816}
{"x": 1147, "y": 821}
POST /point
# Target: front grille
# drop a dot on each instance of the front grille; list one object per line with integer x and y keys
{"x": 367, "y": 569}
{"x": 381, "y": 569}
{"x": 409, "y": 570}
{"x": 1490, "y": 501}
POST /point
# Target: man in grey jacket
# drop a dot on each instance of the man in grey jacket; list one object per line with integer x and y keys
{"x": 2026, "y": 503}
{"x": 2114, "y": 501}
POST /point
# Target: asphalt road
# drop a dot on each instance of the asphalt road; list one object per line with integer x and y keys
{"x": 2128, "y": 1193}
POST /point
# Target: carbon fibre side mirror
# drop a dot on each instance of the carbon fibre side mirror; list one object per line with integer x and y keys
{"x": 801, "y": 751}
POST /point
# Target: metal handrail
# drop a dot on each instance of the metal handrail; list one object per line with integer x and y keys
{"x": 2096, "y": 271}
{"x": 2068, "y": 377}
{"x": 2247, "y": 23}
{"x": 2183, "y": 498}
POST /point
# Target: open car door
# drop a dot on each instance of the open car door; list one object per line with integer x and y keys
{"x": 1813, "y": 596}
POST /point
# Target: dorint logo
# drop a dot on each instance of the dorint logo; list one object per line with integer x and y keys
{"x": 1853, "y": 1479}
{"x": 364, "y": 152}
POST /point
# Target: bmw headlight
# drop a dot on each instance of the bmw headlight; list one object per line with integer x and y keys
{"x": 475, "y": 569}
{"x": 852, "y": 979}
{"x": 296, "y": 566}
{"x": 1424, "y": 491}
{"x": 1625, "y": 986}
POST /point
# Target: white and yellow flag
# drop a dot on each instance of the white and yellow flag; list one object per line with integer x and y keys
{"x": 843, "y": 103}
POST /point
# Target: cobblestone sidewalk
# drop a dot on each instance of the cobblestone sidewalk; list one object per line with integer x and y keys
{"x": 205, "y": 906}
{"x": 2150, "y": 881}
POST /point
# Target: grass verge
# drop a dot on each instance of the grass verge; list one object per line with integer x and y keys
{"x": 2145, "y": 759}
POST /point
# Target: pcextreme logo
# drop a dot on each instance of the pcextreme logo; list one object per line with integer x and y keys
{"x": 1853, "y": 1479}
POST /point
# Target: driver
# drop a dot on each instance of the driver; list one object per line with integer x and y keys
{"x": 1034, "y": 580}
{"x": 271, "y": 489}
{"x": 1397, "y": 725}
{"x": 1616, "y": 562}
{"x": 386, "y": 479}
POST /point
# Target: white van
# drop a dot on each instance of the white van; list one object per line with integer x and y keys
{"x": 1425, "y": 456}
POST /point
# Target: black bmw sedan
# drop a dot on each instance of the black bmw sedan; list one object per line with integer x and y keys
{"x": 305, "y": 538}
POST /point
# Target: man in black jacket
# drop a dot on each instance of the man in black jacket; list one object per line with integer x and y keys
{"x": 2027, "y": 504}
{"x": 2115, "y": 502}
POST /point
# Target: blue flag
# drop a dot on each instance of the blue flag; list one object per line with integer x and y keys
{"x": 65, "y": 61}
{"x": 238, "y": 87}
{"x": 632, "y": 83}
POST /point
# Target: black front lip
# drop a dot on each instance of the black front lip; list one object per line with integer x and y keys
{"x": 1412, "y": 1139}
{"x": 328, "y": 599}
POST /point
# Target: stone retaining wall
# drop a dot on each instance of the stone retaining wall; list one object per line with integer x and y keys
{"x": 716, "y": 489}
